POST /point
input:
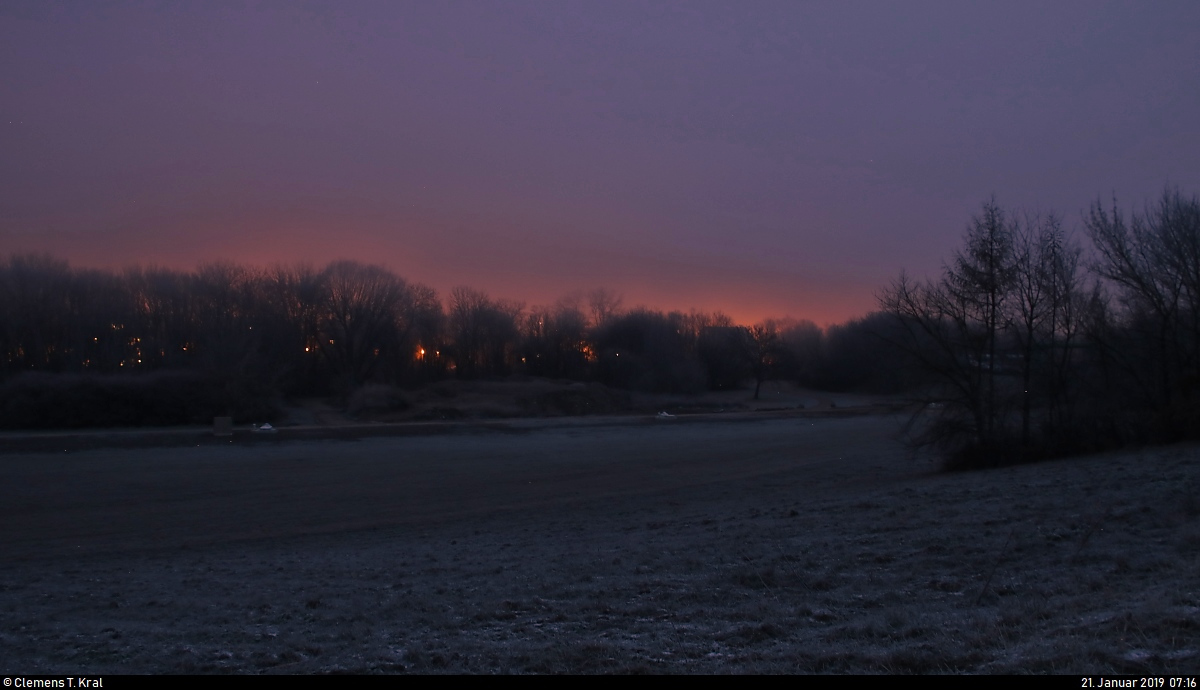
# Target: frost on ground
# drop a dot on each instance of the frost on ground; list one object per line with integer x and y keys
{"x": 773, "y": 546}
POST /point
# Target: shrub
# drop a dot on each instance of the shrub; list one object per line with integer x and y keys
{"x": 38, "y": 400}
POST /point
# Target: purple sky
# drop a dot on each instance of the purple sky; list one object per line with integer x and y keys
{"x": 764, "y": 158}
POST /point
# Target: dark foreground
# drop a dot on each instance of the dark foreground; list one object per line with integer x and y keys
{"x": 778, "y": 545}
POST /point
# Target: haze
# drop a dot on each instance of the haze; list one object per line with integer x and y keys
{"x": 765, "y": 158}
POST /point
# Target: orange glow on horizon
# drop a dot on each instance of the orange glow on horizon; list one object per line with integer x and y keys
{"x": 744, "y": 295}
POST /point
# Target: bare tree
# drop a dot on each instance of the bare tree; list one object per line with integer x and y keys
{"x": 555, "y": 340}
{"x": 97, "y": 301}
{"x": 358, "y": 328}
{"x": 35, "y": 293}
{"x": 1154, "y": 262}
{"x": 978, "y": 285}
{"x": 805, "y": 342}
{"x": 484, "y": 331}
{"x": 164, "y": 315}
{"x": 1044, "y": 309}
{"x": 422, "y": 321}
{"x": 604, "y": 305}
{"x": 289, "y": 311}
{"x": 223, "y": 295}
{"x": 1060, "y": 271}
{"x": 768, "y": 351}
{"x": 953, "y": 327}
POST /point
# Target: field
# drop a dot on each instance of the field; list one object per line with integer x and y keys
{"x": 747, "y": 543}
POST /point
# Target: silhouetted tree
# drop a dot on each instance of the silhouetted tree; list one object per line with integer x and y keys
{"x": 649, "y": 351}
{"x": 768, "y": 352}
{"x": 422, "y": 325}
{"x": 484, "y": 332}
{"x": 291, "y": 302}
{"x": 604, "y": 305}
{"x": 953, "y": 327}
{"x": 555, "y": 341}
{"x": 1154, "y": 263}
{"x": 727, "y": 352}
{"x": 1044, "y": 316}
{"x": 859, "y": 355}
{"x": 35, "y": 291}
{"x": 358, "y": 326}
{"x": 164, "y": 315}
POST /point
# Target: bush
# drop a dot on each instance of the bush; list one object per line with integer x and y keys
{"x": 37, "y": 400}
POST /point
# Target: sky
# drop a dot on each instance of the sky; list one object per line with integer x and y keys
{"x": 762, "y": 158}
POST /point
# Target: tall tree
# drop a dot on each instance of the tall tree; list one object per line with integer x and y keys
{"x": 978, "y": 285}
{"x": 1043, "y": 312}
{"x": 1154, "y": 262}
{"x": 767, "y": 352}
{"x": 953, "y": 328}
{"x": 359, "y": 318}
{"x": 604, "y": 304}
{"x": 484, "y": 332}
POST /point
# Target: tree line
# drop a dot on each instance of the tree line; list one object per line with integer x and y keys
{"x": 1034, "y": 344}
{"x": 153, "y": 345}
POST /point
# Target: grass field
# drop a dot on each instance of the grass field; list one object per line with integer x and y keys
{"x": 743, "y": 544}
